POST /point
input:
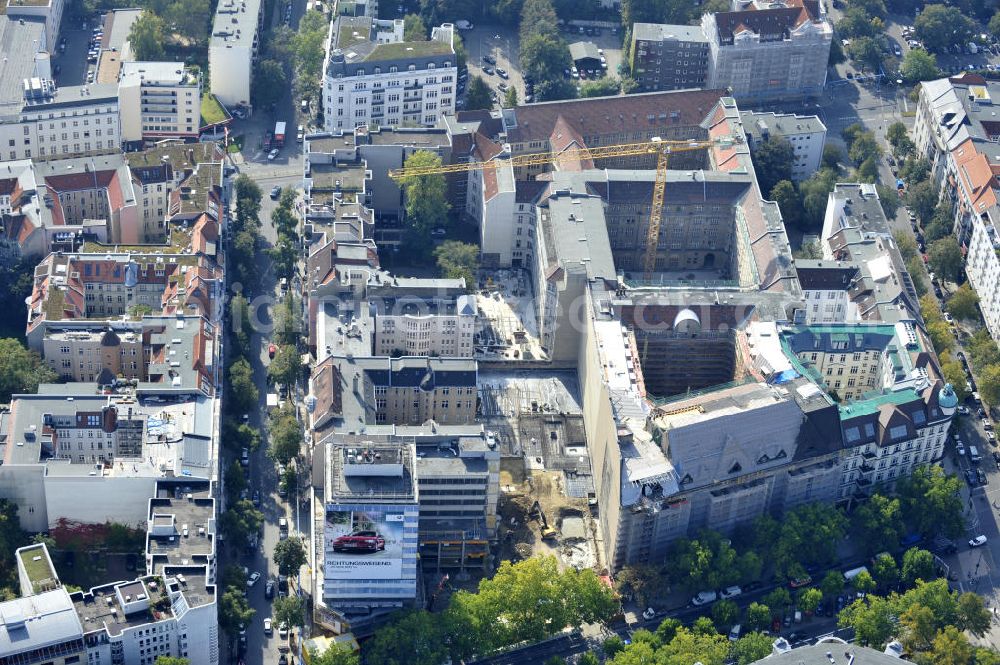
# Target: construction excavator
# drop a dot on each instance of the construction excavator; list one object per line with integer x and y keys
{"x": 660, "y": 147}
{"x": 548, "y": 533}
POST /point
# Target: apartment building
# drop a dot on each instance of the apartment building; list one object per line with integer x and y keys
{"x": 769, "y": 51}
{"x": 669, "y": 57}
{"x": 158, "y": 100}
{"x": 42, "y": 628}
{"x": 951, "y": 111}
{"x": 70, "y": 288}
{"x": 826, "y": 288}
{"x": 856, "y": 232}
{"x": 431, "y": 326}
{"x": 805, "y": 133}
{"x": 233, "y": 50}
{"x": 371, "y": 76}
{"x": 350, "y": 392}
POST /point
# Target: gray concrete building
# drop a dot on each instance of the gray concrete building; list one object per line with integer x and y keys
{"x": 769, "y": 52}
{"x": 669, "y": 57}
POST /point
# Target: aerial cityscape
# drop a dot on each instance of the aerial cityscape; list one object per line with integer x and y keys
{"x": 429, "y": 332}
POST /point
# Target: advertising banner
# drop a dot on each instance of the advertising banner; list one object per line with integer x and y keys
{"x": 363, "y": 544}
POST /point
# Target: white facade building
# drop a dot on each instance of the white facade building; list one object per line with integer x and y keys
{"x": 424, "y": 326}
{"x": 805, "y": 133}
{"x": 372, "y": 77}
{"x": 232, "y": 50}
{"x": 158, "y": 100}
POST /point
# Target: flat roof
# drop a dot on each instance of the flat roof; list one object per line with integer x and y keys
{"x": 38, "y": 621}
{"x": 235, "y": 23}
{"x": 664, "y": 32}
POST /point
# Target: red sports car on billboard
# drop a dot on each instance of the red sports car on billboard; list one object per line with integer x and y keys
{"x": 359, "y": 541}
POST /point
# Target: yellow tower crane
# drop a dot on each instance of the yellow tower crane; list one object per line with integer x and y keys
{"x": 661, "y": 148}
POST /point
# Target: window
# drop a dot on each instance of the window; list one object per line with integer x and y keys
{"x": 897, "y": 432}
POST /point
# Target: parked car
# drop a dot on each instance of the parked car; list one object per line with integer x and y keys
{"x": 276, "y": 192}
{"x": 734, "y": 632}
{"x": 269, "y": 590}
{"x": 271, "y": 155}
{"x": 502, "y": 73}
{"x": 964, "y": 410}
{"x": 704, "y": 598}
{"x": 488, "y": 71}
{"x": 981, "y": 475}
{"x": 648, "y": 613}
{"x": 731, "y": 592}
{"x": 254, "y": 576}
{"x": 800, "y": 582}
{"x": 267, "y": 627}
{"x": 489, "y": 60}
{"x": 978, "y": 541}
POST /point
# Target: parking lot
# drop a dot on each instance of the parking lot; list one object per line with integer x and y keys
{"x": 69, "y": 64}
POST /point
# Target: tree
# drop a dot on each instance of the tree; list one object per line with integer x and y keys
{"x": 872, "y": 619}
{"x": 725, "y": 613}
{"x": 11, "y": 538}
{"x": 836, "y": 54}
{"x": 750, "y": 648}
{"x": 789, "y": 202}
{"x": 866, "y": 52}
{"x": 544, "y": 57}
{"x": 994, "y": 25}
{"x": 241, "y": 522}
{"x": 982, "y": 349}
{"x": 147, "y": 36}
{"x": 989, "y": 384}
{"x": 613, "y": 646}
{"x": 689, "y": 646}
{"x": 286, "y": 436}
{"x": 919, "y": 627}
{"x": 832, "y": 154}
{"x": 895, "y": 133}
{"x": 855, "y": 23}
{"x": 190, "y": 19}
{"x": 962, "y": 303}
{"x": 914, "y": 170}
{"x": 951, "y": 647}
{"x": 538, "y": 17}
{"x": 778, "y": 599}
{"x": 667, "y": 629}
{"x": 426, "y": 195}
{"x": 865, "y": 146}
{"x": 758, "y": 616}
{"x": 922, "y": 198}
{"x": 946, "y": 258}
{"x": 919, "y": 65}
{"x": 809, "y": 599}
{"x": 289, "y": 610}
{"x": 863, "y": 582}
{"x": 832, "y": 584}
{"x": 289, "y": 555}
{"x": 954, "y": 374}
{"x": 307, "y": 47}
{"x": 413, "y": 636}
{"x": 286, "y": 365}
{"x": 644, "y": 581}
{"x": 285, "y": 253}
{"x": 815, "y": 192}
{"x": 234, "y": 609}
{"x": 918, "y": 564}
{"x": 510, "y": 98}
{"x": 941, "y": 221}
{"x": 931, "y": 501}
{"x": 603, "y": 87}
{"x": 879, "y": 521}
{"x": 772, "y": 161}
{"x": 335, "y": 654}
{"x": 885, "y": 571}
{"x": 589, "y": 658}
{"x": 21, "y": 370}
{"x": 889, "y": 200}
{"x": 939, "y": 26}
{"x": 414, "y": 29}
{"x": 458, "y": 260}
{"x": 243, "y": 394}
{"x": 170, "y": 660}
{"x": 973, "y": 615}
{"x": 269, "y": 82}
{"x": 236, "y": 482}
{"x": 477, "y": 97}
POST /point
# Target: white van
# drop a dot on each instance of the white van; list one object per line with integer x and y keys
{"x": 974, "y": 455}
{"x": 854, "y": 572}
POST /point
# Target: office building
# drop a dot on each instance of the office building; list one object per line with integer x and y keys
{"x": 414, "y": 326}
{"x": 43, "y": 627}
{"x": 371, "y": 76}
{"x": 158, "y": 100}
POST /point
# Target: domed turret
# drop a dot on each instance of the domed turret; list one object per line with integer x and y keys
{"x": 947, "y": 400}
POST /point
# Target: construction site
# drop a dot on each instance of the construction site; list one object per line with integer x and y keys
{"x": 545, "y": 479}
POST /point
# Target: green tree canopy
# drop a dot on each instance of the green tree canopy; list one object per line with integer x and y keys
{"x": 335, "y": 654}
{"x": 758, "y": 616}
{"x": 919, "y": 65}
{"x": 879, "y": 521}
{"x": 922, "y": 199}
{"x": 289, "y": 610}
{"x": 147, "y": 36}
{"x": 413, "y": 636}
{"x": 510, "y": 98}
{"x": 946, "y": 258}
{"x": 458, "y": 260}
{"x": 286, "y": 436}
{"x": 269, "y": 82}
{"x": 931, "y": 502}
{"x": 772, "y": 161}
{"x": 21, "y": 370}
{"x": 939, "y": 27}
{"x": 286, "y": 365}
{"x": 414, "y": 29}
{"x": 426, "y": 195}
{"x": 234, "y": 610}
{"x": 962, "y": 303}
{"x": 243, "y": 394}
{"x": 477, "y": 97}
{"x": 603, "y": 87}
{"x": 750, "y": 648}
{"x": 918, "y": 564}
{"x": 789, "y": 202}
{"x": 289, "y": 555}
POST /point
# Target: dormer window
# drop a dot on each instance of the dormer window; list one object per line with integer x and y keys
{"x": 378, "y": 70}
{"x": 736, "y": 468}
{"x": 687, "y": 479}
{"x": 447, "y": 63}
{"x": 763, "y": 459}
{"x": 411, "y": 68}
{"x": 431, "y": 65}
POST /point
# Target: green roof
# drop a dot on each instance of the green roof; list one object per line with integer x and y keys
{"x": 401, "y": 50}
{"x": 38, "y": 570}
{"x": 346, "y": 35}
{"x": 211, "y": 110}
{"x": 870, "y": 405}
{"x": 55, "y": 304}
